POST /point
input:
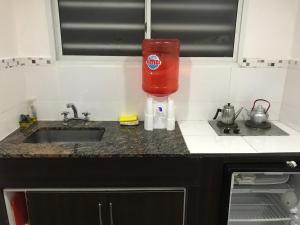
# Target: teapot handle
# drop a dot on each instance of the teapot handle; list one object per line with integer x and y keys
{"x": 217, "y": 113}
{"x": 261, "y": 100}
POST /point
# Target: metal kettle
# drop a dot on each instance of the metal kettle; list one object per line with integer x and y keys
{"x": 259, "y": 114}
{"x": 228, "y": 114}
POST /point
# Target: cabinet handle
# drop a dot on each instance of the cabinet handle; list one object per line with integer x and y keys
{"x": 111, "y": 213}
{"x": 100, "y": 214}
{"x": 292, "y": 164}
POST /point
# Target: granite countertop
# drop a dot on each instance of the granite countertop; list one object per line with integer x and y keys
{"x": 117, "y": 141}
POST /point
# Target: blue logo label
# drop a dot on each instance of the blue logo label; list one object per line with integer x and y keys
{"x": 153, "y": 62}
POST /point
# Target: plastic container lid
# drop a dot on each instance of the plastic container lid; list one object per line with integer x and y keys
{"x": 161, "y": 45}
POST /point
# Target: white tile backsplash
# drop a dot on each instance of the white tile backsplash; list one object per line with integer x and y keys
{"x": 9, "y": 120}
{"x": 108, "y": 90}
{"x": 12, "y": 88}
{"x": 49, "y": 110}
{"x": 196, "y": 110}
{"x": 104, "y": 90}
{"x": 111, "y": 89}
{"x": 290, "y": 115}
{"x": 248, "y": 84}
{"x": 42, "y": 83}
{"x": 104, "y": 110}
{"x": 102, "y": 82}
{"x": 292, "y": 89}
{"x": 12, "y": 99}
{"x": 290, "y": 110}
{"x": 205, "y": 84}
{"x": 91, "y": 84}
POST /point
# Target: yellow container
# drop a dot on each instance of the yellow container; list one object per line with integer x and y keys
{"x": 128, "y": 118}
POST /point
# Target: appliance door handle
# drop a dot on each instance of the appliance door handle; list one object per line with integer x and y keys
{"x": 291, "y": 164}
{"x": 100, "y": 214}
{"x": 111, "y": 214}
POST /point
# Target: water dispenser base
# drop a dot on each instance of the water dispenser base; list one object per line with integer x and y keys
{"x": 159, "y": 113}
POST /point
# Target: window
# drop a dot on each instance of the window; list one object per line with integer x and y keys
{"x": 101, "y": 27}
{"x": 206, "y": 28}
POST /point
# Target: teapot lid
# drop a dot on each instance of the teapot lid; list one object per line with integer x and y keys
{"x": 228, "y": 106}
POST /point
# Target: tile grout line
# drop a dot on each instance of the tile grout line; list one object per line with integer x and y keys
{"x": 249, "y": 144}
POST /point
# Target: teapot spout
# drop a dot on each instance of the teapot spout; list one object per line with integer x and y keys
{"x": 238, "y": 113}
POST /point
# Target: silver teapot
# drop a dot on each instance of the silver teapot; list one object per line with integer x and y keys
{"x": 228, "y": 114}
{"x": 259, "y": 114}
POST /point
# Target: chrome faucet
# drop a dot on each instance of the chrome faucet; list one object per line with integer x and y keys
{"x": 71, "y": 105}
{"x": 75, "y": 112}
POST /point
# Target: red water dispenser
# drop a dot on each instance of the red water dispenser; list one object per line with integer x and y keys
{"x": 160, "y": 66}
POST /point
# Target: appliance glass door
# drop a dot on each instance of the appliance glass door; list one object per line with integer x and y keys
{"x": 269, "y": 198}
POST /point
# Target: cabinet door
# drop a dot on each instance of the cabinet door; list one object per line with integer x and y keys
{"x": 146, "y": 208}
{"x": 66, "y": 208}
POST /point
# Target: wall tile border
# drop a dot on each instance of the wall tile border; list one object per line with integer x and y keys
{"x": 294, "y": 64}
{"x": 8, "y": 63}
{"x": 269, "y": 63}
{"x": 264, "y": 63}
{"x": 26, "y": 61}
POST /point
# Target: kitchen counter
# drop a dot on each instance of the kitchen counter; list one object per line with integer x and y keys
{"x": 117, "y": 141}
{"x": 195, "y": 137}
{"x": 202, "y": 139}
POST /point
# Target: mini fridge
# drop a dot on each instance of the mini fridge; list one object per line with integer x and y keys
{"x": 263, "y": 195}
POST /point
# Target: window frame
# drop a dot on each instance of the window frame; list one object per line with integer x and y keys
{"x": 56, "y": 44}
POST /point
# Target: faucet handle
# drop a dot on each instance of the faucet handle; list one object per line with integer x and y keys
{"x": 65, "y": 114}
{"x": 86, "y": 115}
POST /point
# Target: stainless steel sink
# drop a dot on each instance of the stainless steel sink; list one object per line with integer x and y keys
{"x": 56, "y": 135}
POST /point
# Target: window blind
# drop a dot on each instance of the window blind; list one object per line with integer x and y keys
{"x": 102, "y": 27}
{"x": 206, "y": 28}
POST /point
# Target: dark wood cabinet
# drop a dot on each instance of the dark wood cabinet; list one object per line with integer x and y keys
{"x": 121, "y": 207}
{"x": 147, "y": 208}
{"x": 53, "y": 208}
{"x": 199, "y": 176}
{"x": 202, "y": 176}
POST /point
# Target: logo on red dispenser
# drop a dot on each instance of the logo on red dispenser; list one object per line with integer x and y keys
{"x": 153, "y": 62}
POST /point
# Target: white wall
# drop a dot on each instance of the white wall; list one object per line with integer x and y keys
{"x": 296, "y": 43}
{"x": 268, "y": 27}
{"x": 12, "y": 81}
{"x": 8, "y": 42}
{"x": 31, "y": 27}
